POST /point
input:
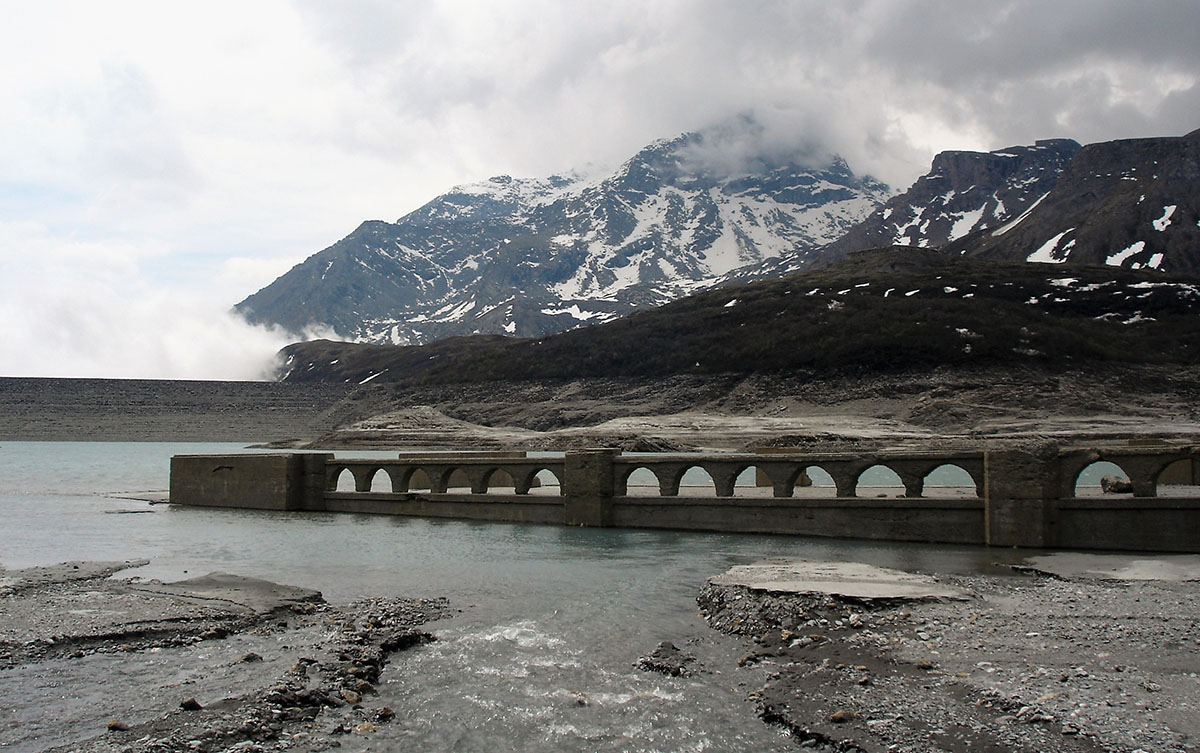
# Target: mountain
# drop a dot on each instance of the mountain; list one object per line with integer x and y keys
{"x": 963, "y": 193}
{"x": 878, "y": 311}
{"x": 1132, "y": 203}
{"x": 527, "y": 257}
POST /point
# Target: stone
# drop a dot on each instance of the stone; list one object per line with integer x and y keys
{"x": 1114, "y": 484}
{"x": 405, "y": 639}
{"x": 838, "y": 579}
{"x": 190, "y": 704}
{"x": 667, "y": 659}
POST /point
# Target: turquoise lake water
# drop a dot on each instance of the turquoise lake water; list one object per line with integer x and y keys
{"x": 547, "y": 612}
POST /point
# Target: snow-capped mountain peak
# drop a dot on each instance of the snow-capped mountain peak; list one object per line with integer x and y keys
{"x": 529, "y": 256}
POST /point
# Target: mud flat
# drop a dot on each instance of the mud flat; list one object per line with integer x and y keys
{"x": 1081, "y": 653}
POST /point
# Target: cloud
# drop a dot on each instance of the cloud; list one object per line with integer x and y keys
{"x": 527, "y": 88}
{"x": 85, "y": 309}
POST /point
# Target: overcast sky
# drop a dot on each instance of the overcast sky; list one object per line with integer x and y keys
{"x": 159, "y": 161}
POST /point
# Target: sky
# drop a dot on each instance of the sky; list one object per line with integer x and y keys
{"x": 160, "y": 161}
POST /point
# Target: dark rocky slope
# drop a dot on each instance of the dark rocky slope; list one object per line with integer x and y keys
{"x": 1133, "y": 203}
{"x": 882, "y": 311}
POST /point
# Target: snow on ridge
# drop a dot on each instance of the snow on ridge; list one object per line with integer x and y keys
{"x": 965, "y": 223}
{"x": 1045, "y": 254}
{"x": 1010, "y": 225}
{"x": 372, "y": 376}
{"x": 575, "y": 312}
{"x": 1162, "y": 222}
{"x": 1119, "y": 258}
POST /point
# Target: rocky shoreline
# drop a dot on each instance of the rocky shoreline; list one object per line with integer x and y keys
{"x": 310, "y": 688}
{"x": 1074, "y": 653}
{"x": 1056, "y": 660}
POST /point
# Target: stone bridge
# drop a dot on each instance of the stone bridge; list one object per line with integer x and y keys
{"x": 1005, "y": 497}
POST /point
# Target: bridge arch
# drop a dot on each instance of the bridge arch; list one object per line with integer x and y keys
{"x": 748, "y": 479}
{"x": 381, "y": 481}
{"x": 498, "y": 480}
{"x": 875, "y": 478}
{"x": 340, "y": 479}
{"x": 453, "y": 478}
{"x": 542, "y": 477}
{"x": 949, "y": 480}
{"x": 1087, "y": 478}
{"x": 1178, "y": 478}
{"x": 637, "y": 481}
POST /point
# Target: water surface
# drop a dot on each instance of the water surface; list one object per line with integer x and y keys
{"x": 541, "y": 658}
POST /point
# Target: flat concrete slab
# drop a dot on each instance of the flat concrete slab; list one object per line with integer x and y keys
{"x": 231, "y": 592}
{"x": 1074, "y": 565}
{"x": 852, "y": 580}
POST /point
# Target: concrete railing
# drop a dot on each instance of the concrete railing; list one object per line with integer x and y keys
{"x": 1016, "y": 497}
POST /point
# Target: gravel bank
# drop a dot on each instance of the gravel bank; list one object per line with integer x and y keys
{"x": 1031, "y": 662}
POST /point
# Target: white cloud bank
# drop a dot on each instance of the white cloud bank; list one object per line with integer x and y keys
{"x": 85, "y": 310}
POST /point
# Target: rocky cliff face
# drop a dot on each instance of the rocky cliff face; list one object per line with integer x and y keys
{"x": 528, "y": 257}
{"x": 963, "y": 193}
{"x": 1132, "y": 203}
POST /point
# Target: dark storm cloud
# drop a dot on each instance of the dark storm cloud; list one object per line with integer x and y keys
{"x": 547, "y": 85}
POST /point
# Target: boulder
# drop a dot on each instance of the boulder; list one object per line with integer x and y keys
{"x": 1116, "y": 485}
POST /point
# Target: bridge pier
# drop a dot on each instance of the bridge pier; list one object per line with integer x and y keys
{"x": 587, "y": 485}
{"x": 1020, "y": 491}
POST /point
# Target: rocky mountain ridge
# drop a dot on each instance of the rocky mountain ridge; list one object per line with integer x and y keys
{"x": 1132, "y": 203}
{"x": 527, "y": 257}
{"x": 876, "y": 312}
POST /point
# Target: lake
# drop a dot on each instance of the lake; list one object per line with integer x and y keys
{"x": 549, "y": 614}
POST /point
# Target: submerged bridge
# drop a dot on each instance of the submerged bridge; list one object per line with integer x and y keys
{"x": 1006, "y": 497}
